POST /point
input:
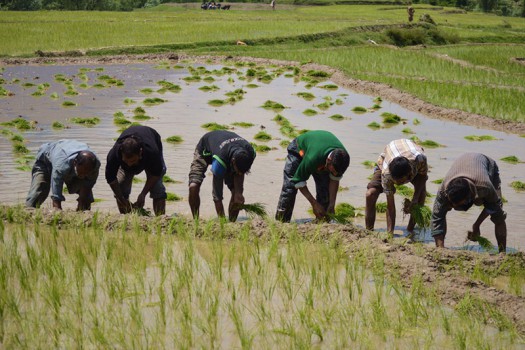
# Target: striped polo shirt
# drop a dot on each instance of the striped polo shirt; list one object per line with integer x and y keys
{"x": 401, "y": 148}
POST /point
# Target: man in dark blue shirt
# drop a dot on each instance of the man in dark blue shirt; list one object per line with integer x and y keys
{"x": 138, "y": 148}
{"x": 230, "y": 157}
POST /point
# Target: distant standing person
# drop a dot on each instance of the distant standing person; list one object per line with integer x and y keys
{"x": 62, "y": 162}
{"x": 231, "y": 158}
{"x": 272, "y": 4}
{"x": 319, "y": 154}
{"x": 473, "y": 179}
{"x": 138, "y": 148}
{"x": 402, "y": 161}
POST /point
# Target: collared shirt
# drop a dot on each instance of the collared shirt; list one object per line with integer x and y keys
{"x": 58, "y": 158}
{"x": 401, "y": 148}
{"x": 314, "y": 148}
{"x": 483, "y": 172}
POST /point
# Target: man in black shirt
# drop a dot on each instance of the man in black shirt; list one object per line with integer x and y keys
{"x": 230, "y": 157}
{"x": 138, "y": 148}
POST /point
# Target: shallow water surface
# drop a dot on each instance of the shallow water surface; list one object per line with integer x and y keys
{"x": 185, "y": 112}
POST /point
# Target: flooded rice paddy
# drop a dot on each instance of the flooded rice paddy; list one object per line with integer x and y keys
{"x": 104, "y": 90}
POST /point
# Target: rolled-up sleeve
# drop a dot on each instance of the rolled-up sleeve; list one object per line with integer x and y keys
{"x": 439, "y": 215}
{"x": 301, "y": 175}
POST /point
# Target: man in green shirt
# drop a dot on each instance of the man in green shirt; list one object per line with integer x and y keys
{"x": 320, "y": 154}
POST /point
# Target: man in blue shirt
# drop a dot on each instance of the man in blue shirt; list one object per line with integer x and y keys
{"x": 62, "y": 162}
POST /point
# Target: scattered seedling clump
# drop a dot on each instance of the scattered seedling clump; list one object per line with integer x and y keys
{"x": 255, "y": 209}
{"x": 214, "y": 126}
{"x": 374, "y": 126}
{"x": 174, "y": 139}
{"x": 337, "y": 117}
{"x": 153, "y": 101}
{"x": 480, "y": 138}
{"x": 306, "y": 95}
{"x": 263, "y": 136}
{"x": 390, "y": 118}
{"x": 511, "y": 159}
{"x": 310, "y": 112}
{"x": 276, "y": 106}
{"x": 57, "y": 125}
{"x": 518, "y": 185}
{"x": 243, "y": 124}
{"x": 209, "y": 88}
{"x": 172, "y": 197}
{"x": 329, "y": 87}
{"x": 359, "y": 109}
{"x": 86, "y": 121}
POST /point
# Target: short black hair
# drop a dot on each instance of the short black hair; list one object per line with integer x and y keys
{"x": 399, "y": 167}
{"x": 130, "y": 146}
{"x": 457, "y": 189}
{"x": 243, "y": 160}
{"x": 88, "y": 158}
{"x": 340, "y": 160}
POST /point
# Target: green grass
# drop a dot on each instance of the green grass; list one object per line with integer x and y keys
{"x": 337, "y": 117}
{"x": 276, "y": 106}
{"x": 243, "y": 124}
{"x": 153, "y": 101}
{"x": 518, "y": 185}
{"x": 263, "y": 136}
{"x": 85, "y": 121}
{"x": 511, "y": 159}
{"x": 310, "y": 112}
{"x": 306, "y": 95}
{"x": 359, "y": 109}
{"x": 57, "y": 125}
{"x": 172, "y": 197}
{"x": 374, "y": 126}
{"x": 214, "y": 126}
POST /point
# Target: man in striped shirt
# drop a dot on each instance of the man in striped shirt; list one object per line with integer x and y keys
{"x": 402, "y": 161}
{"x": 473, "y": 179}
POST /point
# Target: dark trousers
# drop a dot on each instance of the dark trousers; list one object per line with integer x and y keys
{"x": 289, "y": 192}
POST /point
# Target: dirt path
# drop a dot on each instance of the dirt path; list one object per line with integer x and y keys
{"x": 385, "y": 91}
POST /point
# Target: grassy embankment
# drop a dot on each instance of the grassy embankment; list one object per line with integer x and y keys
{"x": 488, "y": 82}
{"x": 71, "y": 280}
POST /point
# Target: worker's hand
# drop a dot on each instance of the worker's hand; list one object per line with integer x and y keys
{"x": 238, "y": 199}
{"x": 141, "y": 199}
{"x": 319, "y": 211}
{"x": 474, "y": 234}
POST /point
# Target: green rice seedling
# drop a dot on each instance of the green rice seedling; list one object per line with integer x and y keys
{"x": 359, "y": 109}
{"x": 421, "y": 214}
{"x": 214, "y": 126}
{"x": 261, "y": 148}
{"x": 404, "y": 190}
{"x": 243, "y": 124}
{"x": 68, "y": 104}
{"x": 27, "y": 85}
{"x": 480, "y": 138}
{"x": 338, "y": 101}
{"x": 71, "y": 92}
{"x": 86, "y": 121}
{"x": 378, "y": 99}
{"x": 416, "y": 121}
{"x": 376, "y": 106}
{"x": 337, "y": 117}
{"x": 518, "y": 185}
{"x": 284, "y": 143}
{"x": 24, "y": 167}
{"x": 38, "y": 93}
{"x": 57, "y": 125}
{"x": 4, "y": 92}
{"x": 172, "y": 197}
{"x": 381, "y": 207}
{"x": 141, "y": 117}
{"x": 343, "y": 213}
{"x": 139, "y": 110}
{"x": 209, "y": 88}
{"x": 129, "y": 101}
{"x": 168, "y": 180}
{"x": 192, "y": 78}
{"x": 217, "y": 103}
{"x": 430, "y": 144}
{"x": 343, "y": 188}
{"x": 511, "y": 159}
{"x": 209, "y": 79}
{"x": 390, "y": 118}
{"x": 325, "y": 105}
{"x": 255, "y": 209}
{"x": 332, "y": 87}
{"x": 438, "y": 181}
{"x": 125, "y": 126}
{"x": 119, "y": 114}
{"x": 17, "y": 138}
{"x": 19, "y": 123}
{"x": 83, "y": 86}
{"x": 484, "y": 243}
{"x": 20, "y": 148}
{"x": 267, "y": 78}
{"x": 252, "y": 86}
{"x": 121, "y": 121}
{"x": 318, "y": 74}
{"x": 407, "y": 131}
{"x": 310, "y": 112}
{"x": 276, "y": 106}
{"x": 54, "y": 96}
{"x": 153, "y": 101}
{"x": 263, "y": 136}
{"x": 369, "y": 164}
{"x": 146, "y": 91}
{"x": 166, "y": 85}
{"x": 374, "y": 126}
{"x": 137, "y": 180}
{"x": 306, "y": 95}
{"x": 99, "y": 86}
{"x": 174, "y": 139}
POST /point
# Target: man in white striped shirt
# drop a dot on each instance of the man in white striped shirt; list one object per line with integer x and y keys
{"x": 402, "y": 161}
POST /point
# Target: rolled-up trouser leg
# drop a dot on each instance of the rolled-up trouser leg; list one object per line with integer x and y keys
{"x": 322, "y": 182}
{"x": 39, "y": 189}
{"x": 288, "y": 192}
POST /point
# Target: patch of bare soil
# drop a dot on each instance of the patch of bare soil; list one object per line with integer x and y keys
{"x": 437, "y": 267}
{"x": 378, "y": 89}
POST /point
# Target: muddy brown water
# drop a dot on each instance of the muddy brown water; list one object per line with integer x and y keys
{"x": 185, "y": 112}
